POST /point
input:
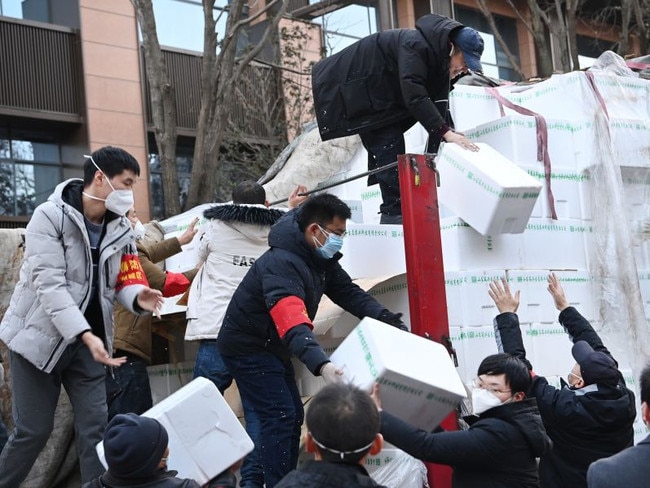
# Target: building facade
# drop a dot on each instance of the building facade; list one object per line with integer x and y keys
{"x": 72, "y": 79}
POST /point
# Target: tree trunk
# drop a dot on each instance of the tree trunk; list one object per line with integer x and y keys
{"x": 163, "y": 105}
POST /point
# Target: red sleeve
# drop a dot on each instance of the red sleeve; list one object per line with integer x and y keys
{"x": 289, "y": 313}
{"x": 175, "y": 284}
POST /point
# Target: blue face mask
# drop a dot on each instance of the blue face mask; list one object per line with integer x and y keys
{"x": 333, "y": 244}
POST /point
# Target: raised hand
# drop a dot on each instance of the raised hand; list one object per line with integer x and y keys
{"x": 503, "y": 298}
{"x": 557, "y": 292}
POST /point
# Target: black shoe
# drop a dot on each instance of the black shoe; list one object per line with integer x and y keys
{"x": 391, "y": 219}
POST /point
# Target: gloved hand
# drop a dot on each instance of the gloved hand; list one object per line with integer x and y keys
{"x": 331, "y": 374}
{"x": 394, "y": 319}
{"x": 2, "y": 374}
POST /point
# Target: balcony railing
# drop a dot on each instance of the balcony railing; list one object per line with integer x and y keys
{"x": 40, "y": 71}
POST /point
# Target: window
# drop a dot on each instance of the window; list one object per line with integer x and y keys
{"x": 184, "y": 157}
{"x": 29, "y": 171}
{"x": 494, "y": 60}
{"x": 347, "y": 25}
{"x": 11, "y": 8}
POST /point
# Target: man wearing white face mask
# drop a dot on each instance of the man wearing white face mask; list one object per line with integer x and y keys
{"x": 505, "y": 436}
{"x": 269, "y": 318}
{"x": 79, "y": 258}
{"x": 127, "y": 388}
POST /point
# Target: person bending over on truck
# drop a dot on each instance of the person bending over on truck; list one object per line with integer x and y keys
{"x": 504, "y": 439}
{"x": 591, "y": 416}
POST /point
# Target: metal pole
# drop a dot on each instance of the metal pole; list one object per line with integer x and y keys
{"x": 425, "y": 274}
{"x": 340, "y": 182}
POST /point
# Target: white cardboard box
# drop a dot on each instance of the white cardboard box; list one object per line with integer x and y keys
{"x": 205, "y": 436}
{"x": 556, "y": 244}
{"x": 486, "y": 190}
{"x": 379, "y": 250}
{"x": 417, "y": 378}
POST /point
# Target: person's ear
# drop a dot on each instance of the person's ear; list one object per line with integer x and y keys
{"x": 310, "y": 445}
{"x": 377, "y": 445}
{"x": 519, "y": 396}
{"x": 645, "y": 413}
{"x": 267, "y": 203}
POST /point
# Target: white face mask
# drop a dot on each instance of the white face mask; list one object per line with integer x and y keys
{"x": 483, "y": 400}
{"x": 117, "y": 201}
{"x": 139, "y": 230}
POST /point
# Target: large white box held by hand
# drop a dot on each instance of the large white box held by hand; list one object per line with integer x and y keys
{"x": 485, "y": 189}
{"x": 417, "y": 379}
{"x": 205, "y": 436}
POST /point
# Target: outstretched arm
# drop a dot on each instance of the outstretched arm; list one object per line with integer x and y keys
{"x": 506, "y": 324}
{"x": 578, "y": 327}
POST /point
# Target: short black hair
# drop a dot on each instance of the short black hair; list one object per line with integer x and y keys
{"x": 249, "y": 192}
{"x": 112, "y": 161}
{"x": 516, "y": 371}
{"x": 644, "y": 381}
{"x": 342, "y": 418}
{"x": 322, "y": 209}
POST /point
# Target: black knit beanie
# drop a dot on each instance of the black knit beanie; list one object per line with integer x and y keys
{"x": 134, "y": 445}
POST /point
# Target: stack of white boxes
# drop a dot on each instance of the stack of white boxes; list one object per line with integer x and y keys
{"x": 472, "y": 260}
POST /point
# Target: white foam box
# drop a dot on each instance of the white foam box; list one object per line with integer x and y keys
{"x": 486, "y": 190}
{"x": 636, "y": 192}
{"x": 536, "y": 303}
{"x": 556, "y": 244}
{"x": 417, "y": 378}
{"x": 631, "y": 139}
{"x": 625, "y": 97}
{"x": 515, "y": 136}
{"x": 477, "y": 306}
{"x": 644, "y": 285}
{"x": 475, "y": 345}
{"x": 454, "y": 281}
{"x": 166, "y": 379}
{"x": 567, "y": 186}
{"x": 205, "y": 436}
{"x": 366, "y": 249}
{"x": 551, "y": 350}
{"x": 465, "y": 249}
{"x": 473, "y": 105}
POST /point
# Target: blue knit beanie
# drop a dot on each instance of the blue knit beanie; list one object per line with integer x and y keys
{"x": 134, "y": 445}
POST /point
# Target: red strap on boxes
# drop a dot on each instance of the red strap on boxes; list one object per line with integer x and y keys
{"x": 542, "y": 142}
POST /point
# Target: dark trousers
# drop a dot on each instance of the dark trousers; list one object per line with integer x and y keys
{"x": 210, "y": 365}
{"x": 35, "y": 395}
{"x": 267, "y": 386}
{"x": 127, "y": 387}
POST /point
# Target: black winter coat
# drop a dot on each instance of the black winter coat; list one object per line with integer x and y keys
{"x": 322, "y": 474}
{"x": 499, "y": 450}
{"x": 587, "y": 424}
{"x": 289, "y": 268}
{"x": 391, "y": 77}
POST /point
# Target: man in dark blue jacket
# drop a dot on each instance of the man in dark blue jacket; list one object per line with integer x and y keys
{"x": 629, "y": 467}
{"x": 383, "y": 84}
{"x": 591, "y": 417}
{"x": 270, "y": 318}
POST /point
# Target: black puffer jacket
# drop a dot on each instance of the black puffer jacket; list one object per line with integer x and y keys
{"x": 386, "y": 78}
{"x": 497, "y": 451}
{"x": 587, "y": 424}
{"x": 322, "y": 474}
{"x": 289, "y": 268}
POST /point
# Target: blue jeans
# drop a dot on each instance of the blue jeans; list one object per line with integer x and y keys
{"x": 268, "y": 389}
{"x": 210, "y": 365}
{"x": 127, "y": 387}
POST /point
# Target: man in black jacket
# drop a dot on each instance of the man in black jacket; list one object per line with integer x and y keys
{"x": 270, "y": 315}
{"x": 628, "y": 468}
{"x": 591, "y": 417}
{"x": 342, "y": 430}
{"x": 383, "y": 84}
{"x": 505, "y": 436}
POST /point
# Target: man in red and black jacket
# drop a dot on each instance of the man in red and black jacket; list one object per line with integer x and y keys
{"x": 589, "y": 418}
{"x": 269, "y": 319}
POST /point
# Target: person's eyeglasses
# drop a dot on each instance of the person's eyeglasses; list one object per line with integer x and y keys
{"x": 478, "y": 383}
{"x": 327, "y": 232}
{"x": 568, "y": 377}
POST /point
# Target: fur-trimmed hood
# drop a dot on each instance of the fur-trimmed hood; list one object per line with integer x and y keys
{"x": 245, "y": 214}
